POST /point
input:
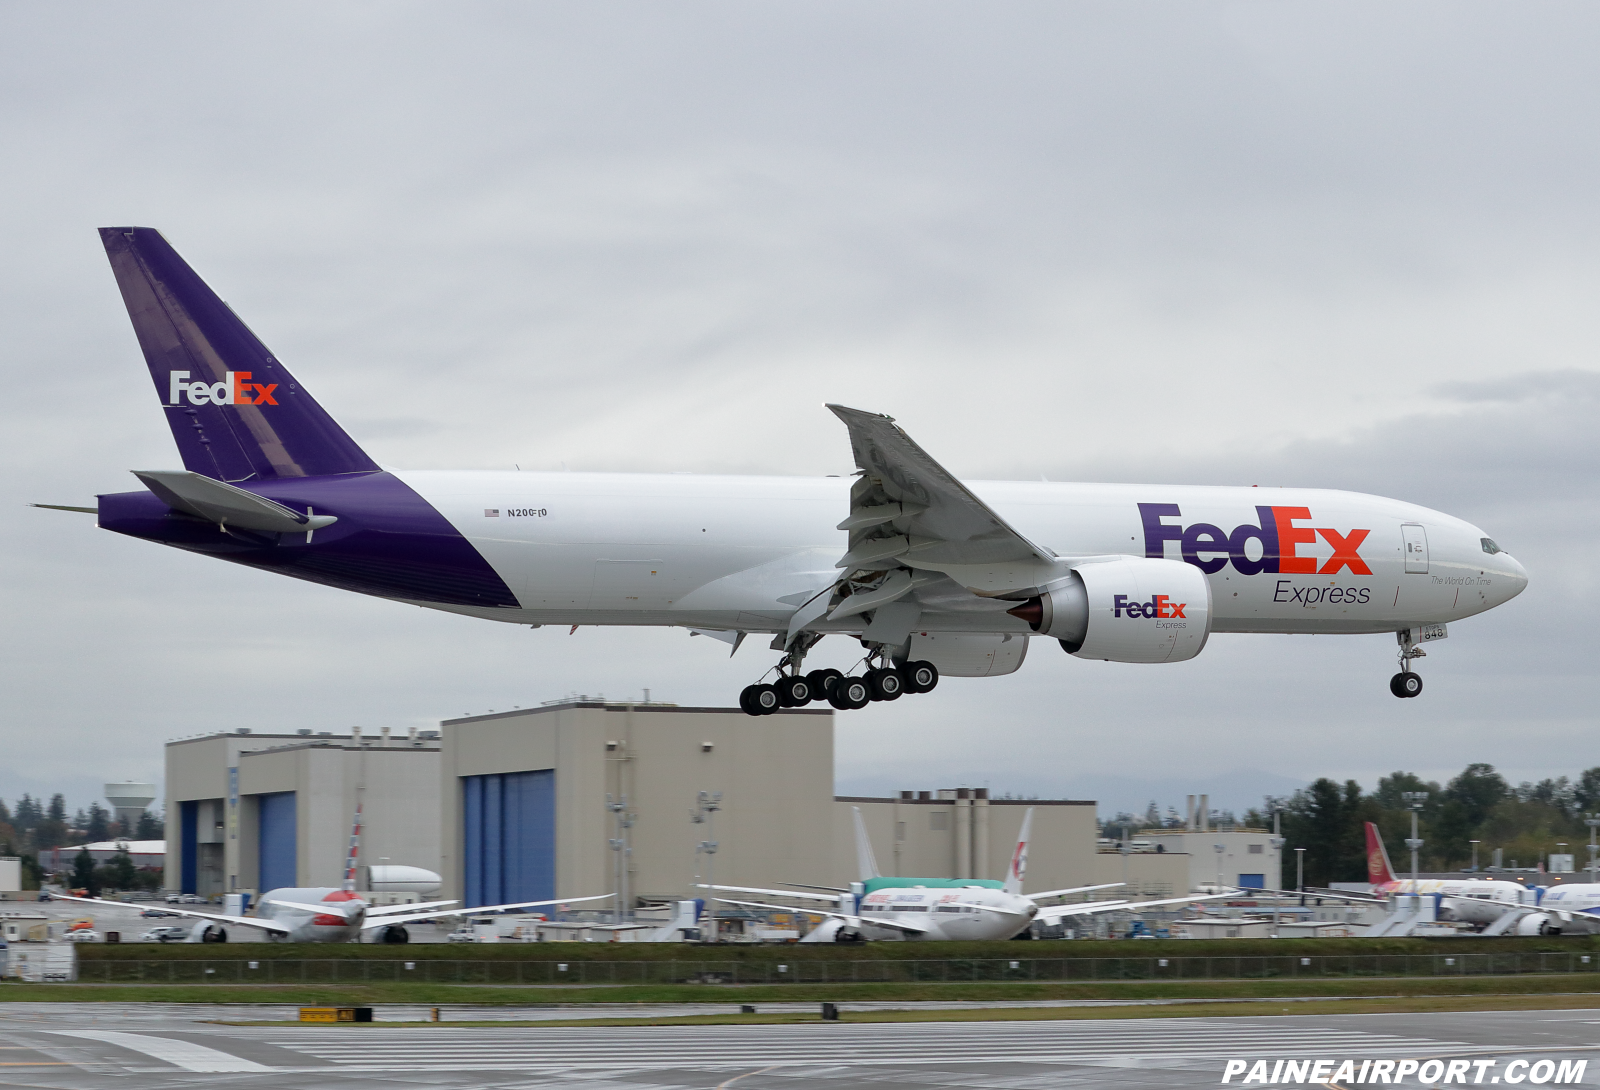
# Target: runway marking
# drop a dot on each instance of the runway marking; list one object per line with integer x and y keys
{"x": 184, "y": 1054}
{"x": 729, "y": 1082}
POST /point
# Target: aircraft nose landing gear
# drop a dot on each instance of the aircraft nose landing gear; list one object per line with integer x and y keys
{"x": 1407, "y": 683}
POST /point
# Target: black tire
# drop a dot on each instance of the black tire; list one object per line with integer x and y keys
{"x": 886, "y": 684}
{"x": 850, "y": 694}
{"x": 921, "y": 676}
{"x": 794, "y": 692}
{"x": 764, "y": 699}
{"x": 1405, "y": 684}
{"x": 745, "y": 704}
{"x": 822, "y": 682}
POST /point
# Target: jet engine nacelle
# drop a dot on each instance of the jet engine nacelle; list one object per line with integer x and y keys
{"x": 1537, "y": 923}
{"x": 1127, "y": 610}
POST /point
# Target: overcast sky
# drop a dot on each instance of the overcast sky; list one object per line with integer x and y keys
{"x": 1349, "y": 245}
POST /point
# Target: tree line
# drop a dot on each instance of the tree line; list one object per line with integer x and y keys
{"x": 1527, "y": 822}
{"x": 31, "y": 827}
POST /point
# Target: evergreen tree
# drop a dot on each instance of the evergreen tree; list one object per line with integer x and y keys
{"x": 98, "y": 825}
{"x": 58, "y": 808}
{"x": 83, "y": 873}
{"x": 118, "y": 873}
{"x": 150, "y": 827}
{"x": 27, "y": 815}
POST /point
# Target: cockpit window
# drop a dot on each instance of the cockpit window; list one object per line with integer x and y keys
{"x": 1490, "y": 547}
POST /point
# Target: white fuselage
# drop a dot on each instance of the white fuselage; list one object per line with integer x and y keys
{"x": 743, "y": 552}
{"x": 332, "y": 926}
{"x": 948, "y": 914}
{"x": 1469, "y": 900}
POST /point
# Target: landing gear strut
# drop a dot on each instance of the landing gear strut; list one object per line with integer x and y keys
{"x": 1407, "y": 683}
{"x": 884, "y": 681}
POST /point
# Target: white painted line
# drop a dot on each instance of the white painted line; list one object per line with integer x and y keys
{"x": 184, "y": 1054}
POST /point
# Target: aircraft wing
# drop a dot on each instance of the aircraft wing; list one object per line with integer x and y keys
{"x": 910, "y": 510}
{"x": 834, "y": 897}
{"x": 396, "y": 920}
{"x": 909, "y": 929}
{"x": 1321, "y": 895}
{"x": 1074, "y": 889}
{"x": 1056, "y": 912}
{"x": 391, "y": 910}
{"x": 239, "y": 921}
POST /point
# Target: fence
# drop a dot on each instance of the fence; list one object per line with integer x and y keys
{"x": 801, "y": 971}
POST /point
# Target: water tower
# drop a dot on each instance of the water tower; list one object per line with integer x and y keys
{"x": 128, "y": 801}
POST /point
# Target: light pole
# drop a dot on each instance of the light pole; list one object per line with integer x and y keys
{"x": 1300, "y": 874}
{"x": 707, "y": 803}
{"x": 1474, "y": 844}
{"x": 1277, "y": 853}
{"x": 1416, "y": 800}
{"x": 1593, "y": 821}
{"x": 619, "y": 845}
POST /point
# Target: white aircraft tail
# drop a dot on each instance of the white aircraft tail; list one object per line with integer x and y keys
{"x": 866, "y": 862}
{"x": 354, "y": 855}
{"x": 1019, "y": 858}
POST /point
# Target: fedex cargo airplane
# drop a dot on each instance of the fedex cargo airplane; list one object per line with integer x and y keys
{"x": 941, "y": 909}
{"x": 931, "y": 574}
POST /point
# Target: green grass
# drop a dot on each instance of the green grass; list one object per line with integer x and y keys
{"x": 457, "y": 994}
{"x": 843, "y": 952}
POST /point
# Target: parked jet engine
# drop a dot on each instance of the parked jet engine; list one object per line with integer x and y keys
{"x": 1127, "y": 610}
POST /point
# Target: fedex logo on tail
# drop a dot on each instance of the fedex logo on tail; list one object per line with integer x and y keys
{"x": 1211, "y": 548}
{"x": 235, "y": 389}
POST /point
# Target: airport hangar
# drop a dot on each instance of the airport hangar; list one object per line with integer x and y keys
{"x": 525, "y": 805}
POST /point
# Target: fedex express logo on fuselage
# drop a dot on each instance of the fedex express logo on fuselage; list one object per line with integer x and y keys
{"x": 1210, "y": 548}
{"x": 235, "y": 389}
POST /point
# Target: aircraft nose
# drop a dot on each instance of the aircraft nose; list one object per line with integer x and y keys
{"x": 1517, "y": 575}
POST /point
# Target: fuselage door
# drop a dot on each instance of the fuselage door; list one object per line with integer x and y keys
{"x": 1416, "y": 539}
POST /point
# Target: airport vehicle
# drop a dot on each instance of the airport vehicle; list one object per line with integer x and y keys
{"x": 167, "y": 933}
{"x": 935, "y": 909}
{"x": 82, "y": 934}
{"x": 157, "y": 913}
{"x": 325, "y": 914}
{"x": 931, "y": 574}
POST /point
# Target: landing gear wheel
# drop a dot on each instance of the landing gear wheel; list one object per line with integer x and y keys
{"x": 886, "y": 683}
{"x": 764, "y": 699}
{"x": 921, "y": 676}
{"x": 849, "y": 694}
{"x": 744, "y": 700}
{"x": 822, "y": 682}
{"x": 1405, "y": 684}
{"x": 794, "y": 692}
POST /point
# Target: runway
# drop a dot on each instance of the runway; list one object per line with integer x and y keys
{"x": 84, "y": 1048}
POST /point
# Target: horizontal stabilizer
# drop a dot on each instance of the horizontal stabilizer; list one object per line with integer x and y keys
{"x": 201, "y": 496}
{"x": 63, "y": 507}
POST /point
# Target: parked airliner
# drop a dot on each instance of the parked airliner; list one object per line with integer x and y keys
{"x": 941, "y": 909}
{"x": 931, "y": 574}
{"x": 326, "y": 914}
{"x": 1471, "y": 900}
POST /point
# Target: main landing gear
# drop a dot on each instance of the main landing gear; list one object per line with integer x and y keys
{"x": 793, "y": 689}
{"x": 1407, "y": 683}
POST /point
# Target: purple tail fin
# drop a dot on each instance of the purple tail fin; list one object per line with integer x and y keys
{"x": 235, "y": 411}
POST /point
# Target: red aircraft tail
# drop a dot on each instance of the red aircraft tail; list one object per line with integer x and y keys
{"x": 1379, "y": 872}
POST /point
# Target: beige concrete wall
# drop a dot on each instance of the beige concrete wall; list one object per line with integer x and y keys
{"x": 399, "y": 785}
{"x": 774, "y": 773}
{"x": 922, "y": 838}
{"x": 1148, "y": 874}
{"x": 1243, "y": 853}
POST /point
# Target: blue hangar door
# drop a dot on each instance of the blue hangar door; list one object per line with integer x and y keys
{"x": 509, "y": 837}
{"x": 276, "y": 841}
